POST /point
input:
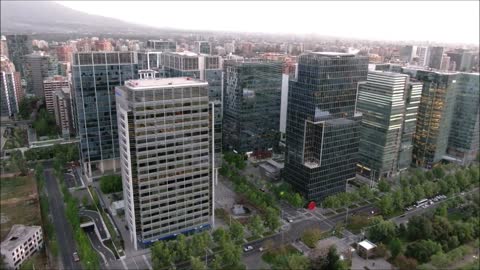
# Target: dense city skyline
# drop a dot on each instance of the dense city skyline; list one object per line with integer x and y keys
{"x": 365, "y": 20}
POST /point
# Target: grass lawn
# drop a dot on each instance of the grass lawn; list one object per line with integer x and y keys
{"x": 19, "y": 203}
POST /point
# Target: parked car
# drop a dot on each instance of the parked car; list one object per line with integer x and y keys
{"x": 247, "y": 248}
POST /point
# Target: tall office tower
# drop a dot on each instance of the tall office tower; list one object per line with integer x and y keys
{"x": 463, "y": 143}
{"x": 62, "y": 103}
{"x": 38, "y": 66}
{"x": 407, "y": 53}
{"x": 323, "y": 126}
{"x": 445, "y": 63}
{"x": 52, "y": 85}
{"x": 434, "y": 116}
{"x": 165, "y": 157}
{"x": 412, "y": 97}
{"x": 3, "y": 47}
{"x": 203, "y": 47}
{"x": 381, "y": 102}
{"x": 206, "y": 68}
{"x": 18, "y": 47}
{"x": 10, "y": 88}
{"x": 423, "y": 56}
{"x": 95, "y": 75}
{"x": 162, "y": 45}
{"x": 436, "y": 56}
{"x": 251, "y": 105}
{"x": 462, "y": 58}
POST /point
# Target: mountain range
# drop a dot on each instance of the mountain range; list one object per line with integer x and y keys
{"x": 32, "y": 17}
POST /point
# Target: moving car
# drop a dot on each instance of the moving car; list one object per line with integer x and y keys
{"x": 75, "y": 256}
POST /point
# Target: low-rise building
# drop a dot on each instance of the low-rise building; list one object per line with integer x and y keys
{"x": 19, "y": 245}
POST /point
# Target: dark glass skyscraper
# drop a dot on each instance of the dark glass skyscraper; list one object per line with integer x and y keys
{"x": 95, "y": 76}
{"x": 251, "y": 110}
{"x": 463, "y": 142}
{"x": 322, "y": 133}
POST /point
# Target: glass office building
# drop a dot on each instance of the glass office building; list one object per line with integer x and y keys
{"x": 95, "y": 76}
{"x": 435, "y": 114}
{"x": 251, "y": 105}
{"x": 323, "y": 127}
{"x": 381, "y": 102}
{"x": 412, "y": 98}
{"x": 464, "y": 135}
{"x": 165, "y": 149}
{"x": 19, "y": 46}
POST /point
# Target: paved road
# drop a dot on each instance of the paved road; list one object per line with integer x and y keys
{"x": 63, "y": 229}
{"x": 97, "y": 244}
{"x": 95, "y": 216}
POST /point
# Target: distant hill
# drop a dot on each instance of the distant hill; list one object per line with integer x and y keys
{"x": 31, "y": 17}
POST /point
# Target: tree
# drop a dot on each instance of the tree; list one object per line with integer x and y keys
{"x": 111, "y": 183}
{"x": 381, "y": 230}
{"x": 408, "y": 196}
{"x": 291, "y": 262}
{"x": 383, "y": 185}
{"x": 18, "y": 163}
{"x": 429, "y": 175}
{"x": 365, "y": 192}
{"x": 331, "y": 202}
{"x": 386, "y": 205}
{"x": 216, "y": 263}
{"x": 404, "y": 263}
{"x": 271, "y": 218}
{"x": 311, "y": 236}
{"x": 333, "y": 260}
{"x": 422, "y": 250}
{"x": 220, "y": 236}
{"x": 441, "y": 228}
{"x": 236, "y": 232}
{"x": 398, "y": 202}
{"x": 419, "y": 227}
{"x": 256, "y": 226}
{"x": 438, "y": 172}
{"x": 395, "y": 247}
{"x": 162, "y": 255}
{"x": 196, "y": 263}
{"x": 464, "y": 231}
{"x": 231, "y": 254}
{"x": 440, "y": 260}
{"x": 418, "y": 192}
{"x": 199, "y": 243}
{"x": 296, "y": 200}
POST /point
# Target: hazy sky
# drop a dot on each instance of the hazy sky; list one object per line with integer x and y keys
{"x": 441, "y": 21}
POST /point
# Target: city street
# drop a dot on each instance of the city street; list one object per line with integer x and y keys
{"x": 95, "y": 217}
{"x": 106, "y": 253}
{"x": 63, "y": 229}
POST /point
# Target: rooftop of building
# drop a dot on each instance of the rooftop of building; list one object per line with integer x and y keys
{"x": 388, "y": 73}
{"x": 17, "y": 235}
{"x": 367, "y": 245}
{"x": 333, "y": 54}
{"x": 56, "y": 78}
{"x": 162, "y": 82}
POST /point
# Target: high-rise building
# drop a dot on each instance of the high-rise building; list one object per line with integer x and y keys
{"x": 162, "y": 45}
{"x": 95, "y": 76}
{"x": 39, "y": 66}
{"x": 381, "y": 102}
{"x": 423, "y": 56}
{"x": 62, "y": 103}
{"x": 445, "y": 63}
{"x": 322, "y": 123}
{"x": 165, "y": 151}
{"x": 462, "y": 58}
{"x": 10, "y": 88}
{"x": 435, "y": 57}
{"x": 50, "y": 86}
{"x": 407, "y": 53}
{"x": 203, "y": 47}
{"x": 206, "y": 68}
{"x": 251, "y": 105}
{"x": 463, "y": 143}
{"x": 434, "y": 115}
{"x": 18, "y": 47}
{"x": 411, "y": 98}
{"x": 3, "y": 47}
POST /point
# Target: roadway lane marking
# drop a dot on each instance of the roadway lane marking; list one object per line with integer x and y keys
{"x": 124, "y": 264}
{"x": 146, "y": 261}
{"x": 134, "y": 261}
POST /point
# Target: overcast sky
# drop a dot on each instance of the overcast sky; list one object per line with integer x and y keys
{"x": 441, "y": 21}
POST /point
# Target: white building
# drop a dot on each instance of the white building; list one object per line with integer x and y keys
{"x": 20, "y": 244}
